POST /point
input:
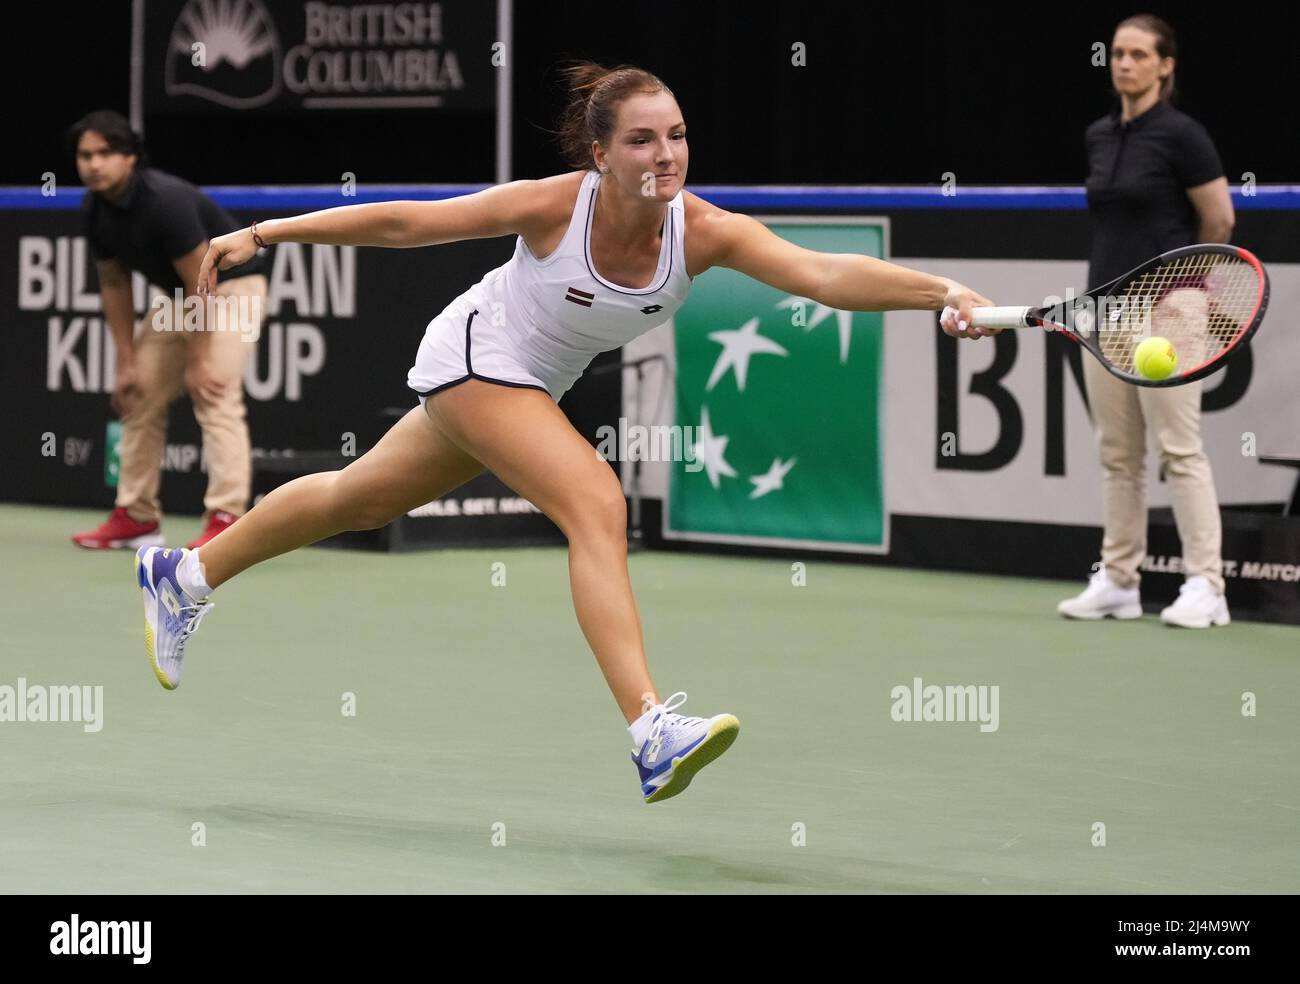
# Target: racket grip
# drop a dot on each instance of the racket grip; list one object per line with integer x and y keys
{"x": 1001, "y": 317}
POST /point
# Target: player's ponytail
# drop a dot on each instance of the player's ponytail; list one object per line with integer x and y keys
{"x": 594, "y": 94}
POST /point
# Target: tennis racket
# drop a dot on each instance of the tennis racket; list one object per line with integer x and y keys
{"x": 1206, "y": 299}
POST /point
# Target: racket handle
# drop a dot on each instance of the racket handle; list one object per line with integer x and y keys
{"x": 1001, "y": 317}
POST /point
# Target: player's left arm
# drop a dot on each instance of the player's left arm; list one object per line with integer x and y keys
{"x": 844, "y": 281}
{"x": 1214, "y": 209}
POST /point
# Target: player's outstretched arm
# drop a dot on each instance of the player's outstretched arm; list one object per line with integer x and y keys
{"x": 845, "y": 281}
{"x": 497, "y": 211}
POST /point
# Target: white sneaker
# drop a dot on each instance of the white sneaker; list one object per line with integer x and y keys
{"x": 1198, "y": 606}
{"x": 677, "y": 747}
{"x": 1102, "y": 597}
{"x": 171, "y": 615}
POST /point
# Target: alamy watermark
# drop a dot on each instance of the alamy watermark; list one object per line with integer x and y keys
{"x": 931, "y": 702}
{"x": 1122, "y": 313}
{"x": 73, "y": 938}
{"x": 240, "y": 313}
{"x": 649, "y": 442}
{"x": 26, "y": 703}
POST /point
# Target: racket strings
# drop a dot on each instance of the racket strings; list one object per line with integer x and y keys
{"x": 1200, "y": 302}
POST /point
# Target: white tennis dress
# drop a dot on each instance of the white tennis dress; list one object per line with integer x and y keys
{"x": 539, "y": 323}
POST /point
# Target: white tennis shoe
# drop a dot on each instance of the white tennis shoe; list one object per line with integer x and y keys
{"x": 678, "y": 746}
{"x": 1102, "y": 598}
{"x": 171, "y": 615}
{"x": 1198, "y": 606}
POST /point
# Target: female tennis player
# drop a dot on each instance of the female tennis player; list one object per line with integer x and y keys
{"x": 603, "y": 254}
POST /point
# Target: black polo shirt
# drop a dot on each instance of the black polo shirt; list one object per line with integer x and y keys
{"x": 1138, "y": 176}
{"x": 158, "y": 219}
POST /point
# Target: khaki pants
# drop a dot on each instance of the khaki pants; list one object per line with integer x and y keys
{"x": 1121, "y": 414}
{"x": 160, "y": 359}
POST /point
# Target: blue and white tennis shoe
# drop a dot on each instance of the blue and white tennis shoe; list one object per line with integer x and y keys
{"x": 171, "y": 615}
{"x": 677, "y": 747}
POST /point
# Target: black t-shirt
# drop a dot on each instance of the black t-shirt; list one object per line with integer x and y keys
{"x": 1138, "y": 176}
{"x": 159, "y": 219}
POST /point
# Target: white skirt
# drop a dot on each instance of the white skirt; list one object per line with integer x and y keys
{"x": 460, "y": 344}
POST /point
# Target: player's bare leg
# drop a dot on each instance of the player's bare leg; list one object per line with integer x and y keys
{"x": 525, "y": 439}
{"x": 412, "y": 464}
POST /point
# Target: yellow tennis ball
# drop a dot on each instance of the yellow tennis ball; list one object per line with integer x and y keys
{"x": 1155, "y": 358}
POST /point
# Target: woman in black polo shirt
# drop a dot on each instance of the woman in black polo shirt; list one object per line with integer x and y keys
{"x": 1154, "y": 183}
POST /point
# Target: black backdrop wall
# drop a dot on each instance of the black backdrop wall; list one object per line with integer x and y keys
{"x": 891, "y": 93}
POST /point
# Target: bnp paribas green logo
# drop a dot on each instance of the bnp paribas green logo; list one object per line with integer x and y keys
{"x": 786, "y": 395}
{"x": 112, "y": 463}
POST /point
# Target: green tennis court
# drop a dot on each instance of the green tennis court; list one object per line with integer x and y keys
{"x": 480, "y": 716}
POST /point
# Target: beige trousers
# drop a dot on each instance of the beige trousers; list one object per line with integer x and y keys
{"x": 160, "y": 359}
{"x": 1121, "y": 414}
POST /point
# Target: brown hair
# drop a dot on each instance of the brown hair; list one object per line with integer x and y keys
{"x": 594, "y": 96}
{"x": 1166, "y": 43}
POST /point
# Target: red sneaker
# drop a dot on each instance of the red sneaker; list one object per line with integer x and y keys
{"x": 217, "y": 522}
{"x": 119, "y": 532}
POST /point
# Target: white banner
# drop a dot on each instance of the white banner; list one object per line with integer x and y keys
{"x": 1023, "y": 488}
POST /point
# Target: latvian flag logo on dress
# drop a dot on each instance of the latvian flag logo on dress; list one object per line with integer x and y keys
{"x": 579, "y": 297}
